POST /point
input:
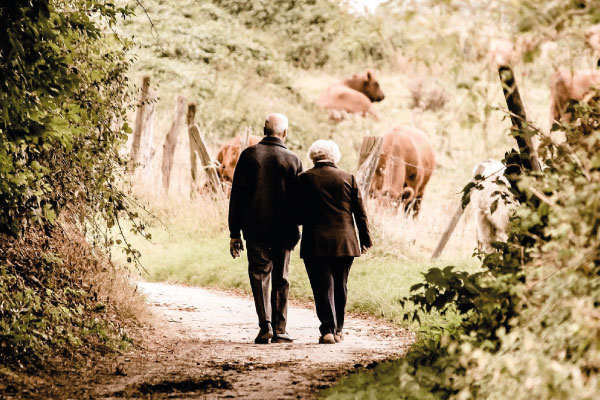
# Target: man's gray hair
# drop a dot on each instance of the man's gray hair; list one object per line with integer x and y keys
{"x": 324, "y": 150}
{"x": 276, "y": 123}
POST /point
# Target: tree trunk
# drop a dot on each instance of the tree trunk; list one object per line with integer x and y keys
{"x": 191, "y": 116}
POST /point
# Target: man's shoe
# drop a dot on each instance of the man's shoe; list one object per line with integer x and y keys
{"x": 282, "y": 338}
{"x": 339, "y": 337}
{"x": 264, "y": 335}
{"x": 327, "y": 339}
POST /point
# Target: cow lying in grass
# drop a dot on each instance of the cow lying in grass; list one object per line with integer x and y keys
{"x": 353, "y": 95}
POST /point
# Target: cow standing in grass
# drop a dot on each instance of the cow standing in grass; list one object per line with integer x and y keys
{"x": 405, "y": 166}
{"x": 229, "y": 154}
{"x": 567, "y": 85}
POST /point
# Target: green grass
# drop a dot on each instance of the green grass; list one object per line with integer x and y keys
{"x": 195, "y": 251}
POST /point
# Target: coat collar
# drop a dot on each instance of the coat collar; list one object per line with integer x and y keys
{"x": 320, "y": 164}
{"x": 273, "y": 141}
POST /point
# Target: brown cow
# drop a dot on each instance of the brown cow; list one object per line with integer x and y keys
{"x": 228, "y": 156}
{"x": 405, "y": 167}
{"x": 567, "y": 85}
{"x": 353, "y": 95}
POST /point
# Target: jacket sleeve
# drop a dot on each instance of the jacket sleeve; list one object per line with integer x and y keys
{"x": 299, "y": 201}
{"x": 297, "y": 196}
{"x": 237, "y": 198}
{"x": 360, "y": 216}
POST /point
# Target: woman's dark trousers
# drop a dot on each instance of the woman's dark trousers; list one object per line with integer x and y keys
{"x": 328, "y": 278}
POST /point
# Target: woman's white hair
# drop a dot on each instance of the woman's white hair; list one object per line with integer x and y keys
{"x": 324, "y": 150}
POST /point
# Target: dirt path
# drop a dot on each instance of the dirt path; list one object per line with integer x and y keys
{"x": 202, "y": 347}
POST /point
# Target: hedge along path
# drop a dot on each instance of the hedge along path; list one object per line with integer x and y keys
{"x": 202, "y": 345}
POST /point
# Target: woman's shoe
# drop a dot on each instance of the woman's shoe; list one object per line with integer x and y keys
{"x": 327, "y": 339}
{"x": 282, "y": 338}
{"x": 339, "y": 337}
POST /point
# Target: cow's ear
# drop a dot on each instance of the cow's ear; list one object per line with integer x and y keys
{"x": 369, "y": 75}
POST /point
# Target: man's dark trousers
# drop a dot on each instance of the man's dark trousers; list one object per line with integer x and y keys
{"x": 328, "y": 278}
{"x": 269, "y": 264}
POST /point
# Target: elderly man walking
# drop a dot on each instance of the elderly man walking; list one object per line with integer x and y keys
{"x": 261, "y": 208}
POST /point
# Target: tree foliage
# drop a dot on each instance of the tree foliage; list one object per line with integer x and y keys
{"x": 63, "y": 99}
{"x": 62, "y": 93}
{"x": 316, "y": 33}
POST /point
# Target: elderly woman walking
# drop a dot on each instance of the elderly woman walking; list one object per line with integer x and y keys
{"x": 329, "y": 203}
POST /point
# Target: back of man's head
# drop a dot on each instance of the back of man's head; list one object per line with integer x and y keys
{"x": 276, "y": 125}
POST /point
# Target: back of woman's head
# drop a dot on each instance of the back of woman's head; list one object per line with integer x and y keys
{"x": 324, "y": 150}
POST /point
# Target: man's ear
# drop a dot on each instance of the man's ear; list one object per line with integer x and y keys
{"x": 284, "y": 135}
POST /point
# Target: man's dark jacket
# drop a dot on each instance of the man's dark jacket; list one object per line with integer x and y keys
{"x": 328, "y": 199}
{"x": 261, "y": 202}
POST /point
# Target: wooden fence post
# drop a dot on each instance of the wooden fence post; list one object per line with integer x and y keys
{"x": 142, "y": 132}
{"x": 171, "y": 142}
{"x": 518, "y": 117}
{"x": 191, "y": 117}
{"x": 245, "y": 139}
{"x": 453, "y": 222}
{"x": 197, "y": 145}
{"x": 368, "y": 159}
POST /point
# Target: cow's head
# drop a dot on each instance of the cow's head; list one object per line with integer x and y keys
{"x": 368, "y": 85}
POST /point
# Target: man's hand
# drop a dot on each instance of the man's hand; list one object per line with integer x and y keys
{"x": 236, "y": 246}
{"x": 364, "y": 249}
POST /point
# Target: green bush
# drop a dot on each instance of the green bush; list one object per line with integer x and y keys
{"x": 62, "y": 93}
{"x": 63, "y": 96}
{"x": 52, "y": 301}
{"x": 530, "y": 320}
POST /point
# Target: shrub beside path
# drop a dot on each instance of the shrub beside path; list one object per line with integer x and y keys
{"x": 201, "y": 345}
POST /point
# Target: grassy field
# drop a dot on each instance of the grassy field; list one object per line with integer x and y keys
{"x": 228, "y": 58}
{"x": 196, "y": 252}
{"x": 242, "y": 60}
